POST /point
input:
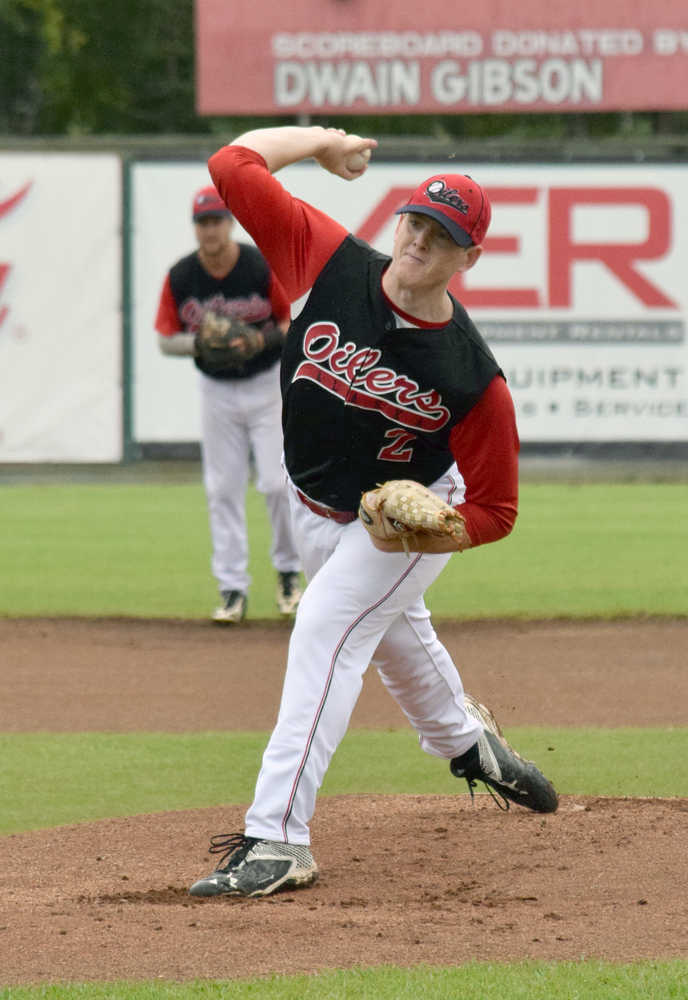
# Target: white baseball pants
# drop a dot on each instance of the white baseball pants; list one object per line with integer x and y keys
{"x": 238, "y": 418}
{"x": 360, "y": 605}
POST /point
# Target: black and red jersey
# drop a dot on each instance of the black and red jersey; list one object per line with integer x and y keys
{"x": 248, "y": 292}
{"x": 364, "y": 400}
{"x": 367, "y": 399}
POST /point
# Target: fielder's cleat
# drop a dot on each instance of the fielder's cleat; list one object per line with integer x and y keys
{"x": 256, "y": 867}
{"x": 233, "y": 610}
{"x": 288, "y": 592}
{"x": 494, "y": 762}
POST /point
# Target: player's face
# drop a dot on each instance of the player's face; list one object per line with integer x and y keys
{"x": 212, "y": 233}
{"x": 424, "y": 253}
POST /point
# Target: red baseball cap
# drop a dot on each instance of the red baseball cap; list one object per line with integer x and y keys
{"x": 457, "y": 202}
{"x": 207, "y": 201}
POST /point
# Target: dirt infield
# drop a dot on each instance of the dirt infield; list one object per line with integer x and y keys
{"x": 404, "y": 879}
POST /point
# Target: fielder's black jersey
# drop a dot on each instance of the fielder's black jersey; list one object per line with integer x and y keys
{"x": 365, "y": 401}
{"x": 244, "y": 293}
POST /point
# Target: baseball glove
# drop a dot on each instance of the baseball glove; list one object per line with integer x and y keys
{"x": 224, "y": 342}
{"x": 402, "y": 507}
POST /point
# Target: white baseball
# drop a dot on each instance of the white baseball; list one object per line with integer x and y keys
{"x": 358, "y": 161}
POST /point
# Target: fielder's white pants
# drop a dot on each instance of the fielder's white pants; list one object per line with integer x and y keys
{"x": 241, "y": 417}
{"x": 360, "y": 605}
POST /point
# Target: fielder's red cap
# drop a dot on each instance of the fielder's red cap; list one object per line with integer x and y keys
{"x": 207, "y": 201}
{"x": 457, "y": 202}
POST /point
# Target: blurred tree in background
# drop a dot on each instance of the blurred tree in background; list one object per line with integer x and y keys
{"x": 72, "y": 67}
{"x": 79, "y": 68}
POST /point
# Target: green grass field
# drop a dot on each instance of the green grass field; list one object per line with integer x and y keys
{"x": 475, "y": 981}
{"x": 52, "y": 779}
{"x": 599, "y": 551}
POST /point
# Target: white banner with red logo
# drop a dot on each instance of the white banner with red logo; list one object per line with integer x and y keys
{"x": 581, "y": 290}
{"x": 60, "y": 308}
{"x": 253, "y": 57}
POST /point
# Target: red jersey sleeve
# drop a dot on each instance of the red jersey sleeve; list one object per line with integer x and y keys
{"x": 485, "y": 445}
{"x": 295, "y": 238}
{"x": 278, "y": 299}
{"x": 167, "y": 321}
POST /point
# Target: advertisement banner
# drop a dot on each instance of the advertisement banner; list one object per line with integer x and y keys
{"x": 60, "y": 308}
{"x": 356, "y": 58}
{"x": 580, "y": 291}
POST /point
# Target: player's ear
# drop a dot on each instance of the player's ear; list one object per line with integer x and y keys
{"x": 471, "y": 258}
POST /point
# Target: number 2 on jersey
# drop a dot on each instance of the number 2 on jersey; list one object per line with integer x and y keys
{"x": 400, "y": 448}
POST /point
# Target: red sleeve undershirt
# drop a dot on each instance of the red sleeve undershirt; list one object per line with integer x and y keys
{"x": 485, "y": 445}
{"x": 167, "y": 321}
{"x": 279, "y": 301}
{"x": 297, "y": 241}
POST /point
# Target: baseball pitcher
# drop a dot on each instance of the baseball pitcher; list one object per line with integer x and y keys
{"x": 401, "y": 449}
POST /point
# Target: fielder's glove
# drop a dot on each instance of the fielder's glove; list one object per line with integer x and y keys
{"x": 226, "y": 342}
{"x": 400, "y": 508}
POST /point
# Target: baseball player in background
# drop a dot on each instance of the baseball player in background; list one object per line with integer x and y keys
{"x": 384, "y": 376}
{"x": 224, "y": 281}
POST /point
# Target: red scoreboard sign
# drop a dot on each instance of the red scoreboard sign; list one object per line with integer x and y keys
{"x": 351, "y": 56}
